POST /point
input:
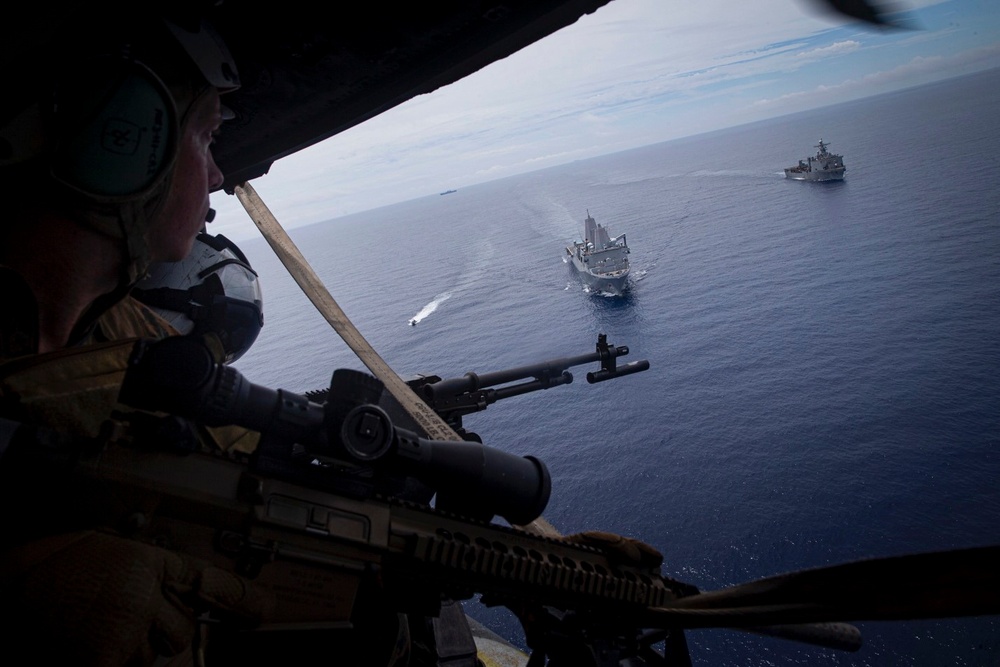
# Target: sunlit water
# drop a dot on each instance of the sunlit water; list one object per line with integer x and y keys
{"x": 825, "y": 358}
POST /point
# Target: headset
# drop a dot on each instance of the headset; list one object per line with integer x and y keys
{"x": 123, "y": 144}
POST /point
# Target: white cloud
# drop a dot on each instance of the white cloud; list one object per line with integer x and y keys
{"x": 832, "y": 51}
{"x": 635, "y": 72}
{"x": 920, "y": 69}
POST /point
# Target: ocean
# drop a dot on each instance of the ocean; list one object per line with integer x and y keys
{"x": 824, "y": 380}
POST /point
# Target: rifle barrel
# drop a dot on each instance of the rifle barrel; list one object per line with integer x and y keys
{"x": 547, "y": 373}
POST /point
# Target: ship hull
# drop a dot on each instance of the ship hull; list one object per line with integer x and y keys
{"x": 607, "y": 283}
{"x": 831, "y": 175}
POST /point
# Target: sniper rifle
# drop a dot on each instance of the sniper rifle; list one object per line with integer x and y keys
{"x": 321, "y": 512}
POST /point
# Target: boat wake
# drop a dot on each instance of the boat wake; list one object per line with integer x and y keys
{"x": 429, "y": 308}
{"x": 605, "y": 293}
{"x": 610, "y": 294}
{"x": 723, "y": 172}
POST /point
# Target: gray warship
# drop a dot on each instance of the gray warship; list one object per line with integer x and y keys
{"x": 601, "y": 260}
{"x": 824, "y": 166}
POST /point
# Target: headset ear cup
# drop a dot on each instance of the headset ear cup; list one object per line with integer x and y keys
{"x": 118, "y": 131}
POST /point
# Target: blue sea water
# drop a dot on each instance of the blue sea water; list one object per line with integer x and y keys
{"x": 824, "y": 379}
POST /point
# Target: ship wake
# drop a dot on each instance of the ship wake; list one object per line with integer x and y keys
{"x": 429, "y": 308}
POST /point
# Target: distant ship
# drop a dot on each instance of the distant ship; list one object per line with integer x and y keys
{"x": 448, "y": 192}
{"x": 601, "y": 260}
{"x": 825, "y": 166}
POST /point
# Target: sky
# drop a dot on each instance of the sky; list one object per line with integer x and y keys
{"x": 633, "y": 73}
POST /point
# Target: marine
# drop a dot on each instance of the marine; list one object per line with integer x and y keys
{"x": 107, "y": 167}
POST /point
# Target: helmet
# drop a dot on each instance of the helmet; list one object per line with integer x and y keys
{"x": 212, "y": 291}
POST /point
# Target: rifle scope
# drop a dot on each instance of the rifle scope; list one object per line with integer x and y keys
{"x": 178, "y": 375}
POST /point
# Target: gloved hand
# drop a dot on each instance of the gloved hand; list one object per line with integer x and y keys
{"x": 625, "y": 550}
{"x": 92, "y": 598}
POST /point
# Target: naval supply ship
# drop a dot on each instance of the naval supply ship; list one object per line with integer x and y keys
{"x": 824, "y": 166}
{"x": 601, "y": 260}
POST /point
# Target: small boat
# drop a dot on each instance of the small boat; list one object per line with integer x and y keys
{"x": 824, "y": 166}
{"x": 602, "y": 261}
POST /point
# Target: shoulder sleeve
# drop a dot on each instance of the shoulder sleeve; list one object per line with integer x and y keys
{"x": 131, "y": 319}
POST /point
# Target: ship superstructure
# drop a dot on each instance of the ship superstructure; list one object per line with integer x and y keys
{"x": 824, "y": 166}
{"x": 602, "y": 260}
